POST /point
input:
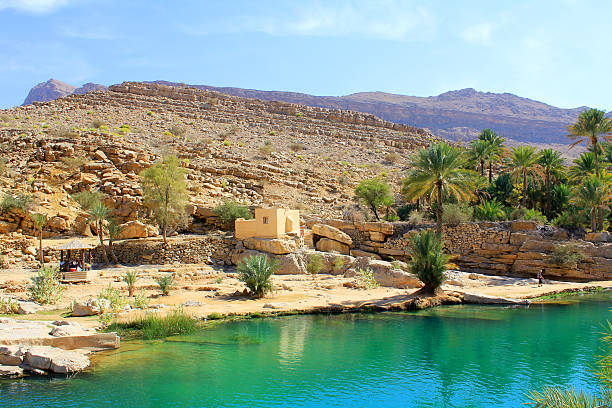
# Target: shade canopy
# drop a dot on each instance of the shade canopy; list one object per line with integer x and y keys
{"x": 75, "y": 244}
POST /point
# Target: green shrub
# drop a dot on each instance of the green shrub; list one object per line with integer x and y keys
{"x": 141, "y": 301}
{"x": 391, "y": 157}
{"x": 165, "y": 284}
{"x": 154, "y": 326}
{"x": 338, "y": 264}
{"x": 417, "y": 217}
{"x": 256, "y": 272}
{"x": 314, "y": 265}
{"x": 229, "y": 211}
{"x": 528, "y": 214}
{"x": 20, "y": 202}
{"x": 130, "y": 279}
{"x": 455, "y": 214}
{"x": 375, "y": 194}
{"x": 266, "y": 149}
{"x": 428, "y": 261}
{"x": 367, "y": 278}
{"x": 87, "y": 199}
{"x": 114, "y": 297}
{"x": 568, "y": 255}
{"x": 46, "y": 288}
{"x": 8, "y": 306}
{"x": 491, "y": 210}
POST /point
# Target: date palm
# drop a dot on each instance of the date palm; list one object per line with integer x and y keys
{"x": 593, "y": 195}
{"x": 98, "y": 213}
{"x": 438, "y": 171}
{"x": 583, "y": 166}
{"x": 553, "y": 166}
{"x": 40, "y": 220}
{"x": 479, "y": 153}
{"x": 591, "y": 126}
{"x": 523, "y": 165}
{"x": 495, "y": 150}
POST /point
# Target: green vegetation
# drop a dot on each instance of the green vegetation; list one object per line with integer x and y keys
{"x": 87, "y": 199}
{"x": 141, "y": 301}
{"x": 314, "y": 265}
{"x": 165, "y": 194}
{"x": 338, "y": 264}
{"x": 98, "y": 214}
{"x": 21, "y": 202}
{"x": 428, "y": 261}
{"x": 45, "y": 287}
{"x": 116, "y": 301}
{"x": 567, "y": 255}
{"x": 375, "y": 194}
{"x": 40, "y": 220}
{"x": 154, "y": 326}
{"x": 130, "y": 278}
{"x": 366, "y": 276}
{"x": 491, "y": 210}
{"x": 256, "y": 272}
{"x": 229, "y": 211}
{"x": 9, "y": 306}
{"x": 455, "y": 214}
{"x": 165, "y": 284}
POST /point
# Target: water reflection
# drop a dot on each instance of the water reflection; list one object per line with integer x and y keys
{"x": 291, "y": 342}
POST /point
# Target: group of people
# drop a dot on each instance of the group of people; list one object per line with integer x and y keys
{"x": 71, "y": 266}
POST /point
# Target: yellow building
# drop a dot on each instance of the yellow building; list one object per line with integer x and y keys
{"x": 269, "y": 223}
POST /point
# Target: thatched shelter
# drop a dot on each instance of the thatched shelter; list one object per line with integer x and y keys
{"x": 75, "y": 260}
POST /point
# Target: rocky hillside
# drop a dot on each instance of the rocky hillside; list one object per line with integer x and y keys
{"x": 258, "y": 153}
{"x": 53, "y": 89}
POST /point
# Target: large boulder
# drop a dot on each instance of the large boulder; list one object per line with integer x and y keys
{"x": 332, "y": 233}
{"x": 274, "y": 246}
{"x": 393, "y": 274}
{"x": 137, "y": 229}
{"x": 291, "y": 264}
{"x": 90, "y": 307}
{"x": 240, "y": 255}
{"x": 55, "y": 360}
{"x": 11, "y": 355}
{"x": 330, "y": 245}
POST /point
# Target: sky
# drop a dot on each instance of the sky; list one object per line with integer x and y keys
{"x": 558, "y": 52}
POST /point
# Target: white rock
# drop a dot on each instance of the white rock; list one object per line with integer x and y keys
{"x": 55, "y": 359}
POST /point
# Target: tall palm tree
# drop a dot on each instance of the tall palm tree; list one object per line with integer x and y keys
{"x": 593, "y": 195}
{"x": 438, "y": 170}
{"x": 495, "y": 149}
{"x": 592, "y": 124}
{"x": 98, "y": 213}
{"x": 479, "y": 153}
{"x": 553, "y": 165}
{"x": 40, "y": 220}
{"x": 524, "y": 164}
{"x": 583, "y": 166}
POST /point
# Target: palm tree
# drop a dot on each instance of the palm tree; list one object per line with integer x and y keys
{"x": 495, "y": 149}
{"x": 439, "y": 170}
{"x": 114, "y": 230}
{"x": 553, "y": 165}
{"x": 428, "y": 261}
{"x": 523, "y": 164}
{"x": 593, "y": 195}
{"x": 583, "y": 166}
{"x": 255, "y": 272}
{"x": 479, "y": 153}
{"x": 590, "y": 126}
{"x": 98, "y": 213}
{"x": 40, "y": 220}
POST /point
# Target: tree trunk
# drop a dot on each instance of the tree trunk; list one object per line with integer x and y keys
{"x": 439, "y": 210}
{"x": 40, "y": 250}
{"x": 594, "y": 220}
{"x": 524, "y": 199}
{"x": 548, "y": 198}
{"x": 101, "y": 236}
{"x": 165, "y": 235}
{"x": 490, "y": 172}
{"x": 375, "y": 213}
{"x": 599, "y": 221}
{"x": 482, "y": 163}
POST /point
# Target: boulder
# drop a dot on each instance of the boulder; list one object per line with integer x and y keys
{"x": 332, "y": 233}
{"x": 136, "y": 229}
{"x": 291, "y": 264}
{"x": 274, "y": 246}
{"x": 10, "y": 371}
{"x": 90, "y": 307}
{"x": 28, "y": 308}
{"x": 493, "y": 300}
{"x": 523, "y": 225}
{"x": 393, "y": 274}
{"x": 11, "y": 355}
{"x": 330, "y": 245}
{"x": 55, "y": 359}
{"x": 598, "y": 236}
{"x": 359, "y": 253}
{"x": 239, "y": 256}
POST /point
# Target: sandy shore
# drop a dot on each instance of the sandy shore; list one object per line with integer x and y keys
{"x": 203, "y": 290}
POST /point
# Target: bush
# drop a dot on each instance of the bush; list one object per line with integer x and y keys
{"x": 255, "y": 272}
{"x": 491, "y": 210}
{"x": 568, "y": 256}
{"x": 528, "y": 214}
{"x": 177, "y": 130}
{"x": 391, "y": 157}
{"x": 46, "y": 288}
{"x": 165, "y": 284}
{"x": 296, "y": 147}
{"x": 141, "y": 301}
{"x": 97, "y": 124}
{"x": 375, "y": 194}
{"x": 266, "y": 149}
{"x": 570, "y": 218}
{"x": 130, "y": 279}
{"x": 154, "y": 326}
{"x": 428, "y": 261}
{"x": 20, "y": 202}
{"x": 315, "y": 264}
{"x": 417, "y": 217}
{"x": 455, "y": 214}
{"x": 87, "y": 199}
{"x": 8, "y": 306}
{"x": 114, "y": 297}
{"x": 73, "y": 163}
{"x": 3, "y": 168}
{"x": 367, "y": 278}
{"x": 229, "y": 211}
{"x": 338, "y": 264}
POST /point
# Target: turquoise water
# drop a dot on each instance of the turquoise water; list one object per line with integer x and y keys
{"x": 458, "y": 356}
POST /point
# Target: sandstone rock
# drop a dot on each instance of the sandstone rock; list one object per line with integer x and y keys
{"x": 8, "y": 371}
{"x": 332, "y": 233}
{"x": 291, "y": 264}
{"x": 330, "y": 245}
{"x": 386, "y": 273}
{"x": 275, "y": 246}
{"x": 598, "y": 236}
{"x": 28, "y": 308}
{"x": 239, "y": 256}
{"x": 494, "y": 300}
{"x": 359, "y": 253}
{"x": 90, "y": 307}
{"x": 522, "y": 225}
{"x": 69, "y": 330}
{"x": 55, "y": 359}
{"x": 134, "y": 229}
{"x": 11, "y": 355}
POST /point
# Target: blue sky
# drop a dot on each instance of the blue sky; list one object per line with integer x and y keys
{"x": 558, "y": 51}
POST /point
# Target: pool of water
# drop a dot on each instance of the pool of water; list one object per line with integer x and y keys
{"x": 457, "y": 356}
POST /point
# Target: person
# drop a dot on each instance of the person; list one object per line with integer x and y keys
{"x": 540, "y": 279}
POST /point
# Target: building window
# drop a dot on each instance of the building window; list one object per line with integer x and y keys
{"x": 266, "y": 220}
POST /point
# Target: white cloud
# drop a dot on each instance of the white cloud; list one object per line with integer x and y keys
{"x": 478, "y": 33}
{"x": 383, "y": 19}
{"x": 33, "y": 6}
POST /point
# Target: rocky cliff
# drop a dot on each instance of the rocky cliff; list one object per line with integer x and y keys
{"x": 53, "y": 89}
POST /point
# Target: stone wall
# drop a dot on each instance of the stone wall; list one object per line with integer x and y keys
{"x": 517, "y": 248}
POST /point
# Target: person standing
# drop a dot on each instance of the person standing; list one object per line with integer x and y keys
{"x": 540, "y": 278}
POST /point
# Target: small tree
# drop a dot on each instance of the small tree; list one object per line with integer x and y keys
{"x": 229, "y": 211}
{"x": 130, "y": 279}
{"x": 428, "y": 260}
{"x": 256, "y": 272}
{"x": 114, "y": 231}
{"x": 40, "y": 220}
{"x": 98, "y": 214}
{"x": 165, "y": 193}
{"x": 375, "y": 194}
{"x": 315, "y": 264}
{"x": 46, "y": 288}
{"x": 165, "y": 284}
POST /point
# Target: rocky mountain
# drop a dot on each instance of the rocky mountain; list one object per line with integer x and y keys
{"x": 53, "y": 89}
{"x": 456, "y": 115}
